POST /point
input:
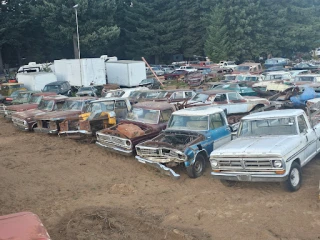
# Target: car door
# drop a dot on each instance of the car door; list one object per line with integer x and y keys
{"x": 121, "y": 109}
{"x": 220, "y": 131}
{"x": 309, "y": 139}
{"x": 237, "y": 104}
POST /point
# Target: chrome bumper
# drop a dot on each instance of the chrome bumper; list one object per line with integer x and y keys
{"x": 116, "y": 149}
{"x": 46, "y": 130}
{"x": 77, "y": 134}
{"x": 249, "y": 177}
{"x": 20, "y": 127}
{"x": 162, "y": 168}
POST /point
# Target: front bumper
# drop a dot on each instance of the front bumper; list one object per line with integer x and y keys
{"x": 250, "y": 177}
{"x": 76, "y": 134}
{"x": 46, "y": 130}
{"x": 162, "y": 168}
{"x": 115, "y": 149}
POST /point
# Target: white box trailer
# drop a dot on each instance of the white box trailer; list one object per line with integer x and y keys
{"x": 126, "y": 73}
{"x": 92, "y": 69}
{"x": 36, "y": 81}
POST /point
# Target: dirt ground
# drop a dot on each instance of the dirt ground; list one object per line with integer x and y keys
{"x": 81, "y": 191}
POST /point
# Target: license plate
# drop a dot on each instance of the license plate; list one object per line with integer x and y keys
{"x": 243, "y": 177}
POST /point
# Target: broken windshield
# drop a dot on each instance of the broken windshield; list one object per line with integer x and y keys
{"x": 144, "y": 115}
{"x": 199, "y": 123}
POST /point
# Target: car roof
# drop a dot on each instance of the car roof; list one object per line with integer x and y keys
{"x": 274, "y": 114}
{"x": 55, "y": 97}
{"x": 57, "y": 83}
{"x": 108, "y": 99}
{"x": 199, "y": 111}
{"x": 154, "y": 105}
{"x": 210, "y": 92}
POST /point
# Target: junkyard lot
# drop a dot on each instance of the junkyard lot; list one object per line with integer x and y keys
{"x": 53, "y": 177}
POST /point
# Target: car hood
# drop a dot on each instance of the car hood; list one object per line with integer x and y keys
{"x": 259, "y": 146}
{"x": 179, "y": 140}
{"x": 28, "y": 114}
{"x": 22, "y": 107}
{"x": 58, "y": 115}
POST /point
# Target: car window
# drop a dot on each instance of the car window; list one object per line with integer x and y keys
{"x": 121, "y": 104}
{"x": 178, "y": 95}
{"x": 188, "y": 94}
{"x": 216, "y": 121}
{"x": 165, "y": 115}
{"x": 220, "y": 98}
{"x": 233, "y": 96}
{"x": 302, "y": 124}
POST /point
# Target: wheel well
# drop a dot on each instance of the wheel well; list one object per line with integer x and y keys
{"x": 204, "y": 154}
{"x": 297, "y": 160}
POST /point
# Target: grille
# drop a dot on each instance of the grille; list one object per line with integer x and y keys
{"x": 2, "y": 109}
{"x": 245, "y": 164}
{"x": 159, "y": 154}
{"x": 112, "y": 140}
{"x": 18, "y": 121}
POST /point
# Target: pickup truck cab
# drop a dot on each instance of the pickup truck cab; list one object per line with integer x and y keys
{"x": 190, "y": 137}
{"x": 188, "y": 69}
{"x": 270, "y": 146}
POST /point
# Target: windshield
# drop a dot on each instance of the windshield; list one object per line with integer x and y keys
{"x": 278, "y": 126}
{"x": 199, "y": 123}
{"x": 23, "y": 96}
{"x": 230, "y": 78}
{"x": 52, "y": 88}
{"x": 144, "y": 81}
{"x": 240, "y": 78}
{"x": 101, "y": 107}
{"x": 46, "y": 105}
{"x": 72, "y": 105}
{"x": 242, "y": 68}
{"x": 273, "y": 77}
{"x": 85, "y": 89}
{"x": 14, "y": 94}
{"x": 251, "y": 79}
{"x": 144, "y": 115}
{"x": 304, "y": 79}
{"x": 35, "y": 99}
{"x": 200, "y": 97}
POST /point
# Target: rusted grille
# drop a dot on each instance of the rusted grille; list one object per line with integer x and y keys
{"x": 2, "y": 109}
{"x": 18, "y": 121}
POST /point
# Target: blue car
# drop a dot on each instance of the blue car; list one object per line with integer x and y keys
{"x": 276, "y": 62}
{"x": 190, "y": 137}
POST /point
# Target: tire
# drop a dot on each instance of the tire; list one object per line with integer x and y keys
{"x": 197, "y": 168}
{"x": 293, "y": 183}
{"x": 228, "y": 183}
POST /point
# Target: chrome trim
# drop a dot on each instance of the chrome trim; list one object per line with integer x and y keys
{"x": 251, "y": 177}
{"x": 116, "y": 149}
{"x": 163, "y": 169}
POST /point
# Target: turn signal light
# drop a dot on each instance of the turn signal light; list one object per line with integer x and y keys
{"x": 280, "y": 171}
{"x": 217, "y": 170}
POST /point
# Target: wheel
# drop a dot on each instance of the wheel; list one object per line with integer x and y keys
{"x": 197, "y": 168}
{"x": 293, "y": 183}
{"x": 228, "y": 183}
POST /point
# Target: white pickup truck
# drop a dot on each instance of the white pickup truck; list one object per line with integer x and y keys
{"x": 189, "y": 69}
{"x": 270, "y": 146}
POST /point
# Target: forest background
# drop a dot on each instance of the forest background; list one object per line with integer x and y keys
{"x": 44, "y": 30}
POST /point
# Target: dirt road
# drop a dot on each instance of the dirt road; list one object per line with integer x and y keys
{"x": 81, "y": 191}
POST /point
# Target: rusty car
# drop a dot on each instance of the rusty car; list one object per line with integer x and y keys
{"x": 26, "y": 120}
{"x": 235, "y": 104}
{"x": 99, "y": 114}
{"x": 145, "y": 121}
{"x": 73, "y": 107}
{"x": 33, "y": 103}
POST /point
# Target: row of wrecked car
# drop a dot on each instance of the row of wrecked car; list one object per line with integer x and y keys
{"x": 168, "y": 129}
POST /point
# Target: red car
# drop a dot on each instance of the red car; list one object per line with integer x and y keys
{"x": 175, "y": 75}
{"x": 22, "y": 226}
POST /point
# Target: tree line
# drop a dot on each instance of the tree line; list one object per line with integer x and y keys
{"x": 44, "y": 30}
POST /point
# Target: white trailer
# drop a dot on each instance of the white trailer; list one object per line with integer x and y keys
{"x": 92, "y": 71}
{"x": 36, "y": 81}
{"x": 126, "y": 73}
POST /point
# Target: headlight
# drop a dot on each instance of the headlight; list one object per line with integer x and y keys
{"x": 128, "y": 143}
{"x": 214, "y": 163}
{"x": 277, "y": 163}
